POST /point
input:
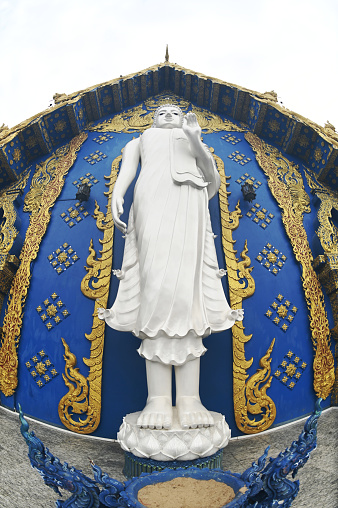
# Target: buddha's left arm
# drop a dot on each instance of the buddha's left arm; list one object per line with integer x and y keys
{"x": 204, "y": 159}
{"x": 207, "y": 165}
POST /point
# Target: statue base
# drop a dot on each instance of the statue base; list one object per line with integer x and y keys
{"x": 175, "y": 444}
{"x": 135, "y": 466}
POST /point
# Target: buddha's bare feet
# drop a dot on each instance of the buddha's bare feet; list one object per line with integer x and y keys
{"x": 157, "y": 414}
{"x": 192, "y": 413}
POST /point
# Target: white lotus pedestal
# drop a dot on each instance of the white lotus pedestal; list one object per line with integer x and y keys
{"x": 150, "y": 450}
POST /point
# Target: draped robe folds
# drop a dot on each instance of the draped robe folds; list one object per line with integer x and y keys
{"x": 170, "y": 293}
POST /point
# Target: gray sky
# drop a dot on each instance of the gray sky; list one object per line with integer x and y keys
{"x": 290, "y": 46}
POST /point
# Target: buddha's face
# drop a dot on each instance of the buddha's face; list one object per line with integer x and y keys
{"x": 168, "y": 118}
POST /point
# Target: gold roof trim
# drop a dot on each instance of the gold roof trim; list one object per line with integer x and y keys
{"x": 62, "y": 99}
{"x": 327, "y": 133}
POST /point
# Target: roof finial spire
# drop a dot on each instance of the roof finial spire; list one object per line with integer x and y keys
{"x": 167, "y": 54}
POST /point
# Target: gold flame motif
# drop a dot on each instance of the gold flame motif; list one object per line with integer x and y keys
{"x": 84, "y": 393}
{"x": 254, "y": 410}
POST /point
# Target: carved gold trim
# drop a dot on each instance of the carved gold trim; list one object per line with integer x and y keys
{"x": 328, "y": 237}
{"x": 138, "y": 119}
{"x": 84, "y": 395}
{"x": 254, "y": 410}
{"x": 266, "y": 97}
{"x": 8, "y": 231}
{"x": 286, "y": 185}
{"x": 7, "y": 273}
{"x": 39, "y": 203}
{"x": 327, "y": 231}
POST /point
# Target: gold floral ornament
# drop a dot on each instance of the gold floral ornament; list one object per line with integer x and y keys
{"x": 73, "y": 216}
{"x": 283, "y": 312}
{"x": 46, "y": 187}
{"x": 290, "y": 370}
{"x": 103, "y": 138}
{"x": 238, "y": 157}
{"x": 80, "y": 408}
{"x": 260, "y": 216}
{"x": 51, "y": 310}
{"x": 95, "y": 157}
{"x": 254, "y": 410}
{"x": 246, "y": 178}
{"x": 63, "y": 258}
{"x": 88, "y": 178}
{"x": 140, "y": 118}
{"x": 271, "y": 258}
{"x": 41, "y": 369}
{"x": 52, "y": 313}
{"x": 230, "y": 138}
{"x": 286, "y": 185}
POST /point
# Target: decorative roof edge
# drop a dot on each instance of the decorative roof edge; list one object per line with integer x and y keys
{"x": 267, "y": 97}
{"x": 256, "y": 110}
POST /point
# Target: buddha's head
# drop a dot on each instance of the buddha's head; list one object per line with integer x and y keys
{"x": 168, "y": 116}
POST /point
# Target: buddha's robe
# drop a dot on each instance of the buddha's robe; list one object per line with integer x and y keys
{"x": 170, "y": 293}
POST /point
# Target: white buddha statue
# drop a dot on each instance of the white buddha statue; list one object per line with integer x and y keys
{"x": 170, "y": 292}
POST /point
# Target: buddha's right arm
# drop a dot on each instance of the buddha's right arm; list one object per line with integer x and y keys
{"x": 130, "y": 160}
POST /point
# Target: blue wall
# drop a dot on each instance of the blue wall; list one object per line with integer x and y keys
{"x": 124, "y": 385}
